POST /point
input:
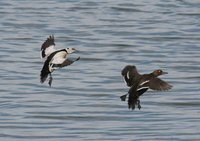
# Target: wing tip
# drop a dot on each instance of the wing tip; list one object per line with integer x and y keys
{"x": 49, "y": 41}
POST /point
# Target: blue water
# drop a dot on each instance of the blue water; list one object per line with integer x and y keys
{"x": 83, "y": 102}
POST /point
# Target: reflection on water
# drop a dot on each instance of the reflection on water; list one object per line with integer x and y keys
{"x": 84, "y": 103}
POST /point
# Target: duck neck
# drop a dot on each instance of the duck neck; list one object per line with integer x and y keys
{"x": 153, "y": 74}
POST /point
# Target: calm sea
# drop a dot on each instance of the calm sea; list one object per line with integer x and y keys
{"x": 83, "y": 102}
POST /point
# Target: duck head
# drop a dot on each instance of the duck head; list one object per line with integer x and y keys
{"x": 159, "y": 72}
{"x": 70, "y": 50}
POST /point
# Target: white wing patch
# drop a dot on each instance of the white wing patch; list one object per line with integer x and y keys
{"x": 128, "y": 75}
{"x": 142, "y": 88}
{"x": 48, "y": 51}
{"x": 144, "y": 82}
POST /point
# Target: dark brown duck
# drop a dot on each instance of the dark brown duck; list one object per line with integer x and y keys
{"x": 139, "y": 84}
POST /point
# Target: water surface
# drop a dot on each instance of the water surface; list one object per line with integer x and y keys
{"x": 83, "y": 103}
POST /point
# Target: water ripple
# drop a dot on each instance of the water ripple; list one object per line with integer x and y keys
{"x": 83, "y": 102}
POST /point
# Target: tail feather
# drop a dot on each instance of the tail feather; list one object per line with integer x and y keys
{"x": 132, "y": 101}
{"x": 44, "y": 72}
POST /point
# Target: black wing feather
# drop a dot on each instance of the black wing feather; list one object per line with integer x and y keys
{"x": 158, "y": 84}
{"x": 45, "y": 71}
{"x": 132, "y": 73}
{"x": 46, "y": 44}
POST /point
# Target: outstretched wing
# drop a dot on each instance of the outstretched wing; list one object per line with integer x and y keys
{"x": 158, "y": 84}
{"x": 66, "y": 62}
{"x": 130, "y": 75}
{"x": 47, "y": 47}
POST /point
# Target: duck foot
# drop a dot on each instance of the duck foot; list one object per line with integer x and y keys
{"x": 50, "y": 80}
{"x": 132, "y": 107}
{"x": 138, "y": 103}
{"x": 123, "y": 97}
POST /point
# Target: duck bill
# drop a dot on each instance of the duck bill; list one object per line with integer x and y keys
{"x": 74, "y": 49}
{"x": 164, "y": 72}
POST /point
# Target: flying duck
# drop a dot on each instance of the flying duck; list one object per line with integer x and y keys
{"x": 139, "y": 84}
{"x": 54, "y": 58}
